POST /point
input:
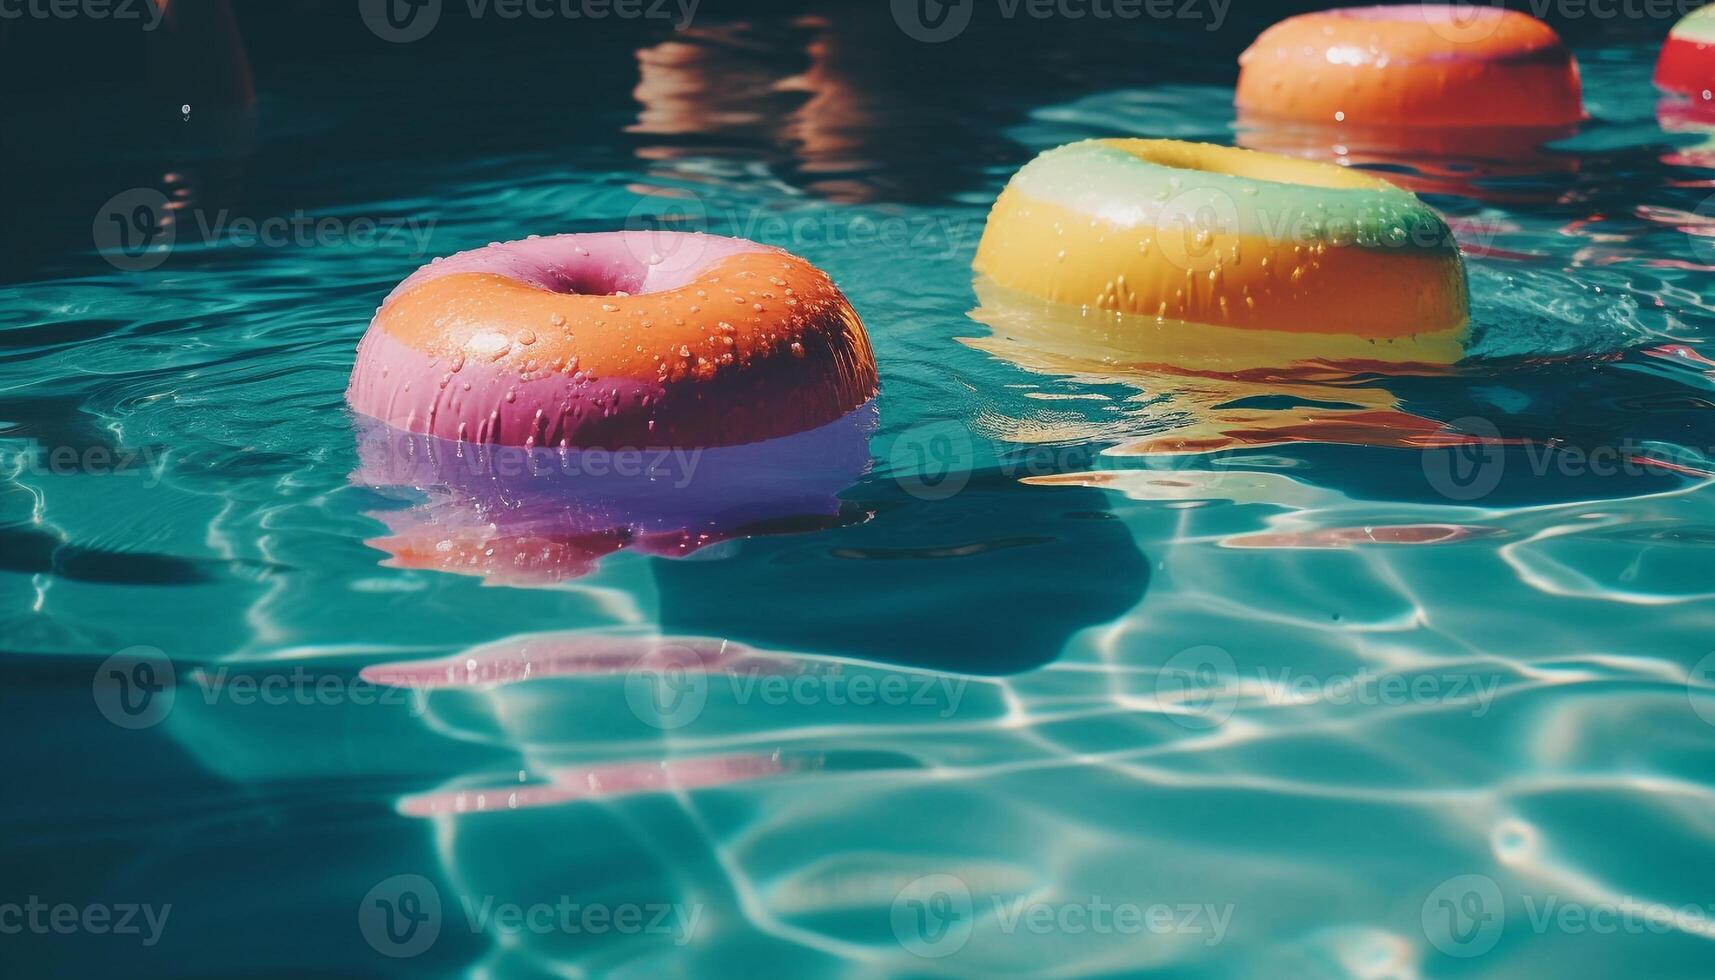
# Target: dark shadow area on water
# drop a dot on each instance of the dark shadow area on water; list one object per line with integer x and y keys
{"x": 896, "y": 588}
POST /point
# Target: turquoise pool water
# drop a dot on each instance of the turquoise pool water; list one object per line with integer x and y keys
{"x": 991, "y": 685}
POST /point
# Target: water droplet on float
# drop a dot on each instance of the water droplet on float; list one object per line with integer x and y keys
{"x": 527, "y": 337}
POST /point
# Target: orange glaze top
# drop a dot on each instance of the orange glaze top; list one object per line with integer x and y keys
{"x": 1418, "y": 65}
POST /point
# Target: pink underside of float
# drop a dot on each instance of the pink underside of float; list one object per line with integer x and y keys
{"x": 486, "y": 402}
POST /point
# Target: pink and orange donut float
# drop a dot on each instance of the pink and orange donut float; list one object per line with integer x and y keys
{"x": 613, "y": 340}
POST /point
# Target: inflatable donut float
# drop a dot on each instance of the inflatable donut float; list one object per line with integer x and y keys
{"x": 1227, "y": 237}
{"x": 620, "y": 339}
{"x": 1412, "y": 65}
{"x": 1687, "y": 62}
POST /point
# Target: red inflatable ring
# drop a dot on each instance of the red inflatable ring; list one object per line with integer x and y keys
{"x": 1687, "y": 63}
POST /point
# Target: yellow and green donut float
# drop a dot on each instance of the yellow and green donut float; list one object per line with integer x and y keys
{"x": 1226, "y": 237}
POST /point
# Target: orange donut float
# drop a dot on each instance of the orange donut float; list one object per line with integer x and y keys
{"x": 1414, "y": 65}
{"x": 622, "y": 339}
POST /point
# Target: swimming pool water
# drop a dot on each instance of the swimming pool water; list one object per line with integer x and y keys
{"x": 995, "y": 682}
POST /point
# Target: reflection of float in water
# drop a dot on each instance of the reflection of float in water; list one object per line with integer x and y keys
{"x": 575, "y": 784}
{"x": 1224, "y": 387}
{"x": 577, "y": 654}
{"x": 821, "y": 99}
{"x": 1348, "y": 537}
{"x": 1679, "y": 115}
{"x": 517, "y": 516}
{"x": 1491, "y": 164}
